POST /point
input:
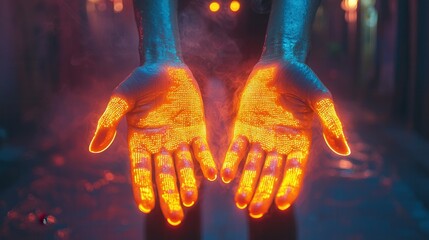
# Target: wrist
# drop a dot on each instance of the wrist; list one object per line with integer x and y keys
{"x": 289, "y": 29}
{"x": 158, "y": 31}
{"x": 282, "y": 52}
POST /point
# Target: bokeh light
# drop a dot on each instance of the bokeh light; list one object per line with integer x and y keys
{"x": 214, "y": 6}
{"x": 234, "y": 6}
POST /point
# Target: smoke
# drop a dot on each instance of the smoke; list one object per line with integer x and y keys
{"x": 213, "y": 49}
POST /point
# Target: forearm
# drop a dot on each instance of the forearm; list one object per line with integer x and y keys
{"x": 158, "y": 30}
{"x": 289, "y": 29}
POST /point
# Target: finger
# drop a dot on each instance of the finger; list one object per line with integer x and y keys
{"x": 264, "y": 195}
{"x": 204, "y": 157}
{"x": 106, "y": 127}
{"x": 235, "y": 154}
{"x": 141, "y": 173}
{"x": 332, "y": 128}
{"x": 185, "y": 171}
{"x": 249, "y": 177}
{"x": 167, "y": 188}
{"x": 292, "y": 179}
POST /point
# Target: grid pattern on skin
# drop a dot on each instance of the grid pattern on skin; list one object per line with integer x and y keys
{"x": 114, "y": 111}
{"x": 269, "y": 177}
{"x": 179, "y": 119}
{"x": 185, "y": 169}
{"x": 326, "y": 110}
{"x": 188, "y": 182}
{"x": 261, "y": 114}
{"x": 166, "y": 181}
{"x": 142, "y": 179}
{"x": 233, "y": 155}
{"x": 203, "y": 155}
{"x": 250, "y": 174}
{"x": 291, "y": 179}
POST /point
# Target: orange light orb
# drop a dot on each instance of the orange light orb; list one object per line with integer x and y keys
{"x": 118, "y": 7}
{"x": 214, "y": 6}
{"x": 234, "y": 6}
{"x": 349, "y": 5}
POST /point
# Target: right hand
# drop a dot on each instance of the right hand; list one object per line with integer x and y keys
{"x": 166, "y": 126}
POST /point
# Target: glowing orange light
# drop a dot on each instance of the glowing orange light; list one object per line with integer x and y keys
{"x": 141, "y": 173}
{"x": 264, "y": 194}
{"x": 144, "y": 209}
{"x": 333, "y": 129}
{"x": 185, "y": 170}
{"x": 165, "y": 133}
{"x": 173, "y": 223}
{"x": 106, "y": 127}
{"x": 190, "y": 204}
{"x": 232, "y": 159}
{"x": 167, "y": 188}
{"x": 345, "y": 164}
{"x": 178, "y": 120}
{"x": 214, "y": 6}
{"x": 256, "y": 215}
{"x": 263, "y": 120}
{"x": 269, "y": 128}
{"x": 203, "y": 155}
{"x": 273, "y": 132}
{"x": 249, "y": 177}
{"x": 234, "y": 6}
{"x": 349, "y": 5}
{"x": 351, "y": 16}
{"x": 240, "y": 206}
{"x": 118, "y": 6}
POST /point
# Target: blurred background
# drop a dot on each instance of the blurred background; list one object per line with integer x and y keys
{"x": 60, "y": 60}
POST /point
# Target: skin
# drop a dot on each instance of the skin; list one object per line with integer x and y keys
{"x": 166, "y": 127}
{"x": 272, "y": 131}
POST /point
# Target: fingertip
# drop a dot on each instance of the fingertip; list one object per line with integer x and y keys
{"x": 283, "y": 207}
{"x": 255, "y": 215}
{"x": 211, "y": 174}
{"x": 256, "y": 210}
{"x": 173, "y": 222}
{"x": 240, "y": 205}
{"x": 282, "y": 203}
{"x": 338, "y": 145}
{"x": 227, "y": 175}
{"x": 189, "y": 198}
{"x": 241, "y": 200}
{"x": 102, "y": 139}
{"x": 175, "y": 218}
{"x": 188, "y": 204}
{"x": 145, "y": 208}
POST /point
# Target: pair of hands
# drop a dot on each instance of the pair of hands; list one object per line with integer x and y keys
{"x": 166, "y": 128}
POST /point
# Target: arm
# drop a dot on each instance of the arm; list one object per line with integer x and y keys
{"x": 158, "y": 30}
{"x": 273, "y": 127}
{"x": 165, "y": 116}
{"x": 289, "y": 29}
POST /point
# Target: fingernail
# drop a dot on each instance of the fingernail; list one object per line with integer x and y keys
{"x": 211, "y": 174}
{"x": 337, "y": 144}
{"x": 241, "y": 200}
{"x": 227, "y": 175}
{"x": 255, "y": 210}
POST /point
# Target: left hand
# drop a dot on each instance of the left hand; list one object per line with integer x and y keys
{"x": 273, "y": 129}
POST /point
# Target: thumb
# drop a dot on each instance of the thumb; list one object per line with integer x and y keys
{"x": 332, "y": 128}
{"x": 106, "y": 127}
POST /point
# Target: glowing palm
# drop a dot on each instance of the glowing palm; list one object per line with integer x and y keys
{"x": 273, "y": 128}
{"x": 165, "y": 121}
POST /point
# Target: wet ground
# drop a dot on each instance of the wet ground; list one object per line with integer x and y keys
{"x": 53, "y": 188}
